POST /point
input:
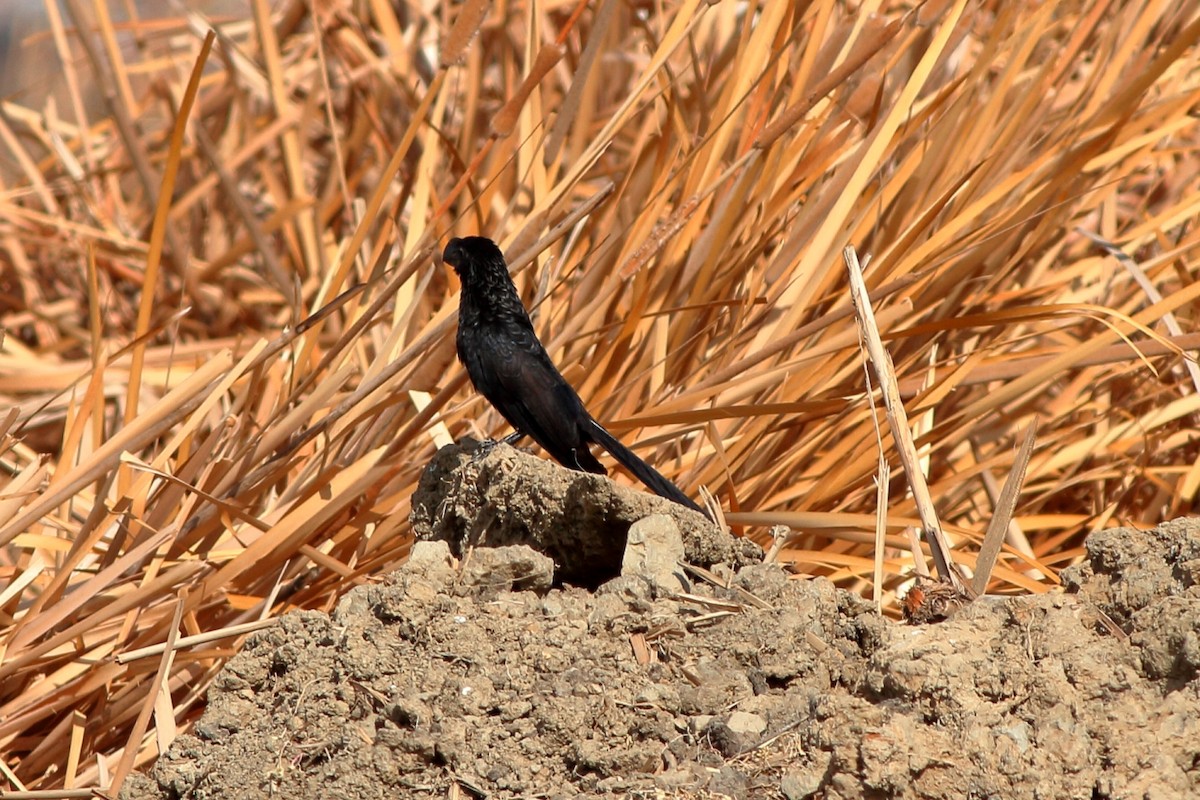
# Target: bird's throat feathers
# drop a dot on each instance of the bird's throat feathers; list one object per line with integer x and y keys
{"x": 488, "y": 292}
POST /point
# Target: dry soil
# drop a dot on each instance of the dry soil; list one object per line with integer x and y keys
{"x": 484, "y": 676}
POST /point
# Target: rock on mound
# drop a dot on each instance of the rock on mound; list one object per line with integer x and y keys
{"x": 495, "y": 496}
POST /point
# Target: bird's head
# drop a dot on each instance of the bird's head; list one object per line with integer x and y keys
{"x": 468, "y": 254}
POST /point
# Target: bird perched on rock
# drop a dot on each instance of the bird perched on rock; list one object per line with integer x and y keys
{"x": 510, "y": 367}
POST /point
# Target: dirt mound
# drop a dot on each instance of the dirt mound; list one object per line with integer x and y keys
{"x": 478, "y": 673}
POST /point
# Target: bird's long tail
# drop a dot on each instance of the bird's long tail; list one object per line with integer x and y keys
{"x": 645, "y": 473}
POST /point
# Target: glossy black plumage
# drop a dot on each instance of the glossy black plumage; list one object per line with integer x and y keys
{"x": 508, "y": 365}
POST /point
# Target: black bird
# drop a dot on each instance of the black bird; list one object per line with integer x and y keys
{"x": 508, "y": 365}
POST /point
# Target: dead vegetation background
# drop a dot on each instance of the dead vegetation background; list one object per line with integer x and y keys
{"x": 675, "y": 183}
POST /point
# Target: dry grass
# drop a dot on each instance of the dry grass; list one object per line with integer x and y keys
{"x": 678, "y": 185}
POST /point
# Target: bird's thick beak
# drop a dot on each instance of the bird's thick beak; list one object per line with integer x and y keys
{"x": 452, "y": 256}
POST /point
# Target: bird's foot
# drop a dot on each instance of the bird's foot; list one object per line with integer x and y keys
{"x": 484, "y": 448}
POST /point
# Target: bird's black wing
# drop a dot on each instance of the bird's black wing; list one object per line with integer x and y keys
{"x": 519, "y": 379}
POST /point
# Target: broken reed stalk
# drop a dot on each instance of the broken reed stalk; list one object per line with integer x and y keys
{"x": 897, "y": 419}
{"x": 1002, "y": 515}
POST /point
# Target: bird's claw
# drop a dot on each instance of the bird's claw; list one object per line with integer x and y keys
{"x": 485, "y": 448}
